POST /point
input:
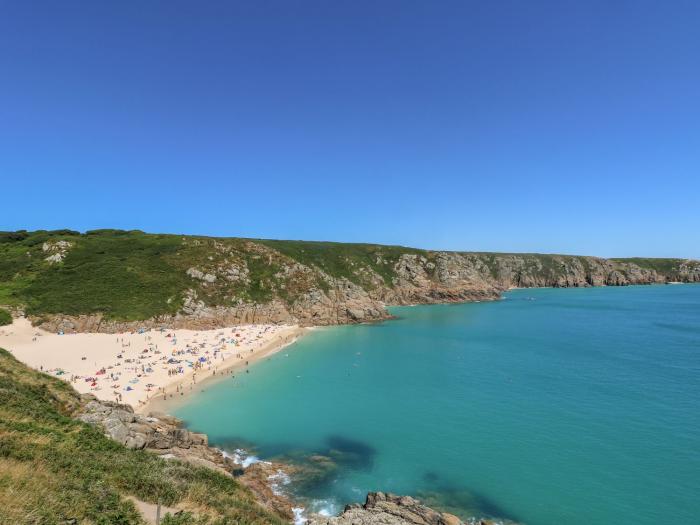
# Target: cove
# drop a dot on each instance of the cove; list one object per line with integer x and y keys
{"x": 550, "y": 406}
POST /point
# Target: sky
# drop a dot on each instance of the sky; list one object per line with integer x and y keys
{"x": 554, "y": 127}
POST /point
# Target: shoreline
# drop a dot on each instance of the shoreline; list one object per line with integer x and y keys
{"x": 160, "y": 402}
{"x": 73, "y": 354}
{"x": 141, "y": 368}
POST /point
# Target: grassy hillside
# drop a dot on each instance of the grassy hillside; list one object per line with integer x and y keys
{"x": 54, "y": 469}
{"x": 665, "y": 266}
{"x": 131, "y": 275}
{"x": 340, "y": 259}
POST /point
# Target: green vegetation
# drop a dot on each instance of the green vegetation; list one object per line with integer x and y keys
{"x": 5, "y": 317}
{"x": 126, "y": 277}
{"x": 54, "y": 469}
{"x": 132, "y": 275}
{"x": 342, "y": 260}
{"x": 665, "y": 266}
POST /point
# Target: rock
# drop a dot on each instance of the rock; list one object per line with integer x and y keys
{"x": 159, "y": 443}
{"x": 57, "y": 250}
{"x": 388, "y": 509}
{"x": 137, "y": 441}
{"x": 141, "y": 428}
{"x": 198, "y": 274}
{"x": 123, "y": 415}
{"x": 117, "y": 430}
{"x": 199, "y": 439}
{"x": 356, "y": 314}
{"x": 450, "y": 519}
{"x": 165, "y": 418}
{"x": 97, "y": 407}
{"x": 92, "y": 419}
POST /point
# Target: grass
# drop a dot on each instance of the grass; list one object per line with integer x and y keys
{"x": 343, "y": 260}
{"x": 125, "y": 277}
{"x": 54, "y": 469}
{"x": 132, "y": 275}
{"x": 664, "y": 266}
{"x": 5, "y": 317}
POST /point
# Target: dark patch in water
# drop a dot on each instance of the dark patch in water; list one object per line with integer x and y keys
{"x": 685, "y": 329}
{"x": 319, "y": 469}
{"x": 455, "y": 499}
{"x": 431, "y": 477}
{"x": 351, "y": 453}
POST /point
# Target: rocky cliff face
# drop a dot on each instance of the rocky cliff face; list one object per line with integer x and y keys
{"x": 307, "y": 295}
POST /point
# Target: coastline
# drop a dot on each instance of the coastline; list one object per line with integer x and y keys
{"x": 145, "y": 416}
{"x": 140, "y": 368}
{"x": 206, "y": 378}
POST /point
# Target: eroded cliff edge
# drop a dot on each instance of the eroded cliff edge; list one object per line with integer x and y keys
{"x": 113, "y": 281}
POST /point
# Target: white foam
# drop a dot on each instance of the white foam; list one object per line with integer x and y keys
{"x": 278, "y": 481}
{"x": 324, "y": 507}
{"x": 241, "y": 457}
{"x": 299, "y": 518}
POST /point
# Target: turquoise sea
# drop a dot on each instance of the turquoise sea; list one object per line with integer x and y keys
{"x": 552, "y": 406}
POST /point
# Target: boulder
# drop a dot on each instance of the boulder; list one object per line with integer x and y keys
{"x": 116, "y": 429}
{"x": 137, "y": 441}
{"x": 123, "y": 415}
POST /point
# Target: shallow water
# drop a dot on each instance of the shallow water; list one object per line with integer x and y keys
{"x": 552, "y": 406}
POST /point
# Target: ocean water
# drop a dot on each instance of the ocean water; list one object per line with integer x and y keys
{"x": 552, "y": 406}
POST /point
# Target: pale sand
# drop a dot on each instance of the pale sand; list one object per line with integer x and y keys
{"x": 144, "y": 357}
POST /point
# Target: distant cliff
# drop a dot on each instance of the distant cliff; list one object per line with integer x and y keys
{"x": 112, "y": 280}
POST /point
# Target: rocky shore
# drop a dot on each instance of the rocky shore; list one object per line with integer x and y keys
{"x": 390, "y": 509}
{"x": 165, "y": 436}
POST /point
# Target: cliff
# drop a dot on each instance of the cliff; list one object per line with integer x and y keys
{"x": 110, "y": 280}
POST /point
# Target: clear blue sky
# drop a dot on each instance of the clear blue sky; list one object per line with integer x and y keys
{"x": 569, "y": 127}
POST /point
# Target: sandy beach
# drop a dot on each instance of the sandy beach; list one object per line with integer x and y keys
{"x": 139, "y": 368}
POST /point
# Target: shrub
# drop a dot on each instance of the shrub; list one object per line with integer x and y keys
{"x": 5, "y": 317}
